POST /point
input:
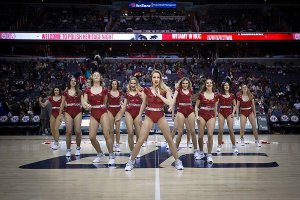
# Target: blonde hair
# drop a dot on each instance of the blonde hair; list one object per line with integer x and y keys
{"x": 203, "y": 88}
{"x": 138, "y": 86}
{"x": 162, "y": 86}
{"x": 179, "y": 83}
{"x": 249, "y": 93}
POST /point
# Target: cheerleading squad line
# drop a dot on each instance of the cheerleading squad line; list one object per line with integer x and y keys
{"x": 107, "y": 108}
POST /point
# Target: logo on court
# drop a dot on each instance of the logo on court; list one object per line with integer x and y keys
{"x": 153, "y": 159}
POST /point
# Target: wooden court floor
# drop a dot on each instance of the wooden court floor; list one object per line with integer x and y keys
{"x": 30, "y": 170}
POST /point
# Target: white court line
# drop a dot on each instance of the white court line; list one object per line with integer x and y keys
{"x": 157, "y": 184}
{"x": 157, "y": 179}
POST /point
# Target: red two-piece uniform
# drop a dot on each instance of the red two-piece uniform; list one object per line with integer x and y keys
{"x": 207, "y": 107}
{"x": 226, "y": 105}
{"x": 73, "y": 104}
{"x": 155, "y": 106}
{"x": 114, "y": 103}
{"x": 55, "y": 106}
{"x": 184, "y": 102}
{"x": 134, "y": 103}
{"x": 97, "y": 103}
{"x": 245, "y": 106}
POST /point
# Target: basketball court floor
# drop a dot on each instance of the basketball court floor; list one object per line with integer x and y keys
{"x": 30, "y": 170}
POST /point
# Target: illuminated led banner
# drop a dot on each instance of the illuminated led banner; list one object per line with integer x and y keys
{"x": 107, "y": 36}
{"x": 152, "y": 4}
{"x": 231, "y": 36}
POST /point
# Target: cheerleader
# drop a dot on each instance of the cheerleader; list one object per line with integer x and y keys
{"x": 206, "y": 116}
{"x": 71, "y": 103}
{"x": 55, "y": 101}
{"x": 95, "y": 99}
{"x": 227, "y": 105}
{"x": 114, "y": 112}
{"x": 246, "y": 105}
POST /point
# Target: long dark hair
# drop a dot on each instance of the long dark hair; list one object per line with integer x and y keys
{"x": 118, "y": 84}
{"x": 77, "y": 91}
{"x": 222, "y": 89}
{"x": 52, "y": 92}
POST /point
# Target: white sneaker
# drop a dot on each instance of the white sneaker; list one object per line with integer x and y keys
{"x": 219, "y": 149}
{"x": 201, "y": 155}
{"x": 235, "y": 149}
{"x": 167, "y": 147}
{"x": 257, "y": 143}
{"x": 68, "y": 154}
{"x": 99, "y": 158}
{"x": 111, "y": 160}
{"x": 77, "y": 153}
{"x": 209, "y": 159}
{"x": 117, "y": 148}
{"x": 242, "y": 142}
{"x": 54, "y": 145}
{"x": 190, "y": 145}
{"x": 178, "y": 164}
{"x": 196, "y": 154}
{"x": 129, "y": 165}
{"x": 144, "y": 144}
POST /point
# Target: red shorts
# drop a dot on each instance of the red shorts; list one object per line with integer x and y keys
{"x": 133, "y": 111}
{"x": 206, "y": 114}
{"x": 97, "y": 113}
{"x": 55, "y": 113}
{"x": 185, "y": 110}
{"x": 154, "y": 115}
{"x": 225, "y": 112}
{"x": 114, "y": 110}
{"x": 73, "y": 111}
{"x": 246, "y": 113}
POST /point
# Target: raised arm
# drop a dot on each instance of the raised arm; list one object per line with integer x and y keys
{"x": 122, "y": 111}
{"x": 173, "y": 101}
{"x": 43, "y": 104}
{"x": 167, "y": 100}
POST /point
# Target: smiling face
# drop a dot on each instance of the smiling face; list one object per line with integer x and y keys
{"x": 209, "y": 84}
{"x": 226, "y": 87}
{"x": 56, "y": 91}
{"x": 185, "y": 84}
{"x": 114, "y": 85}
{"x": 156, "y": 78}
{"x": 132, "y": 84}
{"x": 73, "y": 82}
